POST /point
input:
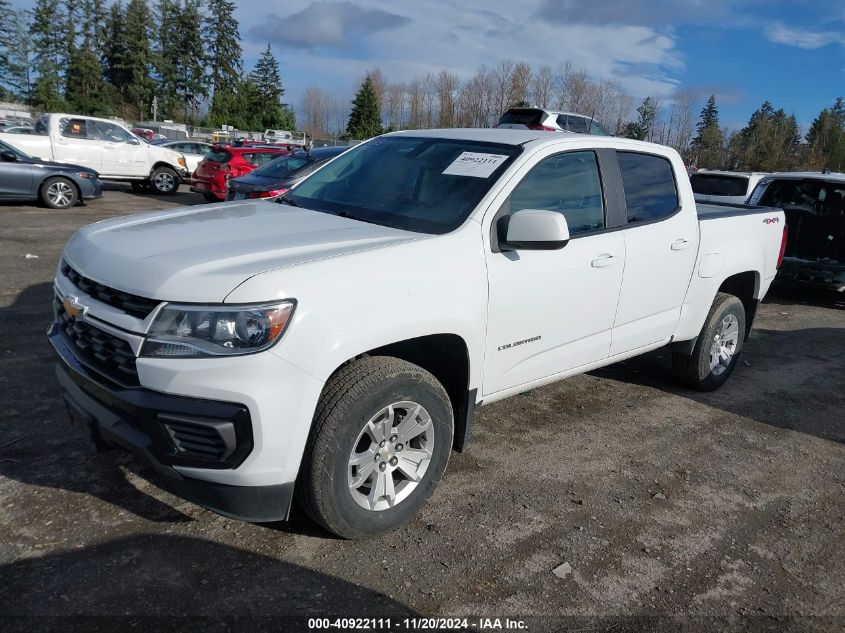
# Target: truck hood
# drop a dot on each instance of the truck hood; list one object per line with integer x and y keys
{"x": 200, "y": 254}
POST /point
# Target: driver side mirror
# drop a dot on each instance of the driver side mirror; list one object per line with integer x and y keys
{"x": 133, "y": 141}
{"x": 9, "y": 157}
{"x": 534, "y": 230}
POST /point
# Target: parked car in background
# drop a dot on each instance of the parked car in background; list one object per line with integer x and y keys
{"x": 225, "y": 162}
{"x": 279, "y": 175}
{"x": 283, "y": 137}
{"x": 724, "y": 186}
{"x": 337, "y": 344}
{"x": 19, "y": 129}
{"x": 57, "y": 185}
{"x": 550, "y": 121}
{"x": 193, "y": 151}
{"x": 104, "y": 146}
{"x": 814, "y": 204}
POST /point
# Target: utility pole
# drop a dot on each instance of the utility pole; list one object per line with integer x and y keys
{"x": 155, "y": 107}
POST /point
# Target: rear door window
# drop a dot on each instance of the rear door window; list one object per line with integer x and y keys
{"x": 77, "y": 128}
{"x": 649, "y": 182}
{"x": 719, "y": 185}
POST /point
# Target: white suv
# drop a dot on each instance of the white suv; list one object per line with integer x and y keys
{"x": 550, "y": 121}
{"x": 724, "y": 186}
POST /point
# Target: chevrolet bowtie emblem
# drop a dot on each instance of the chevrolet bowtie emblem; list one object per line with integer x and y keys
{"x": 74, "y": 308}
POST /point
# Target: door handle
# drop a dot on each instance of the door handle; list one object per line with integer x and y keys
{"x": 605, "y": 259}
{"x": 679, "y": 245}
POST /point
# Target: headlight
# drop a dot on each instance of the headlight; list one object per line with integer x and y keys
{"x": 197, "y": 331}
{"x": 182, "y": 161}
{"x": 86, "y": 175}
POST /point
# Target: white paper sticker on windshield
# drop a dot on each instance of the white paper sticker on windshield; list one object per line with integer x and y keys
{"x": 475, "y": 164}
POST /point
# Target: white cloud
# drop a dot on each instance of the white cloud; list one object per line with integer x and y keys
{"x": 802, "y": 38}
{"x": 435, "y": 34}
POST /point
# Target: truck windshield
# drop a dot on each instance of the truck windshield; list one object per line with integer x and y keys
{"x": 427, "y": 185}
{"x": 719, "y": 185}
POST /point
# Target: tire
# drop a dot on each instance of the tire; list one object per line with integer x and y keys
{"x": 346, "y": 499}
{"x": 717, "y": 349}
{"x": 164, "y": 181}
{"x": 210, "y": 197}
{"x": 141, "y": 186}
{"x": 58, "y": 193}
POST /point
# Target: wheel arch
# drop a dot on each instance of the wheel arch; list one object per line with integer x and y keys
{"x": 745, "y": 286}
{"x": 447, "y": 358}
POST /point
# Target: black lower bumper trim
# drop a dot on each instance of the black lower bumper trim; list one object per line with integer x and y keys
{"x": 111, "y": 417}
{"x": 255, "y": 504}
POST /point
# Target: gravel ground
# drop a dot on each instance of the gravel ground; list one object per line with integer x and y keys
{"x": 674, "y": 509}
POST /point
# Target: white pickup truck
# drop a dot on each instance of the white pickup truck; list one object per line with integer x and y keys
{"x": 105, "y": 146}
{"x": 333, "y": 346}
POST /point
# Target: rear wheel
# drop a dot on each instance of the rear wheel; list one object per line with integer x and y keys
{"x": 380, "y": 442}
{"x": 717, "y": 349}
{"x": 164, "y": 181}
{"x": 58, "y": 193}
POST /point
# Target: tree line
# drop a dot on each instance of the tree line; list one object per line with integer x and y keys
{"x": 89, "y": 58}
{"x": 770, "y": 141}
{"x": 92, "y": 57}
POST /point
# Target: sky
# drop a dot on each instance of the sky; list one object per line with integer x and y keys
{"x": 743, "y": 51}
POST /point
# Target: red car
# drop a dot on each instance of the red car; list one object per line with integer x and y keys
{"x": 225, "y": 162}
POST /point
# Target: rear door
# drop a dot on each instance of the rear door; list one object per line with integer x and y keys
{"x": 16, "y": 179}
{"x": 78, "y": 142}
{"x": 661, "y": 243}
{"x": 553, "y": 310}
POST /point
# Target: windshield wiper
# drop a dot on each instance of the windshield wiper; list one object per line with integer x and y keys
{"x": 287, "y": 200}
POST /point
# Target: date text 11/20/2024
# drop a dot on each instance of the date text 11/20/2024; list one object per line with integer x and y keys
{"x": 416, "y": 624}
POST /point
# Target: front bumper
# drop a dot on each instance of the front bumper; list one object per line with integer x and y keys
{"x": 90, "y": 189}
{"x": 251, "y": 479}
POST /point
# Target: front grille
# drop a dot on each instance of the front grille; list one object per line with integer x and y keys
{"x": 200, "y": 438}
{"x": 109, "y": 355}
{"x": 131, "y": 304}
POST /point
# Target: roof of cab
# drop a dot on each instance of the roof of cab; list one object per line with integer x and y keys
{"x": 489, "y": 135}
{"x": 810, "y": 175}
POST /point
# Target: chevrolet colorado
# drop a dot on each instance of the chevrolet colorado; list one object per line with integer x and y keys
{"x": 332, "y": 346}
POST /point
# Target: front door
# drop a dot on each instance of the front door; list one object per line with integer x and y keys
{"x": 123, "y": 153}
{"x": 553, "y": 310}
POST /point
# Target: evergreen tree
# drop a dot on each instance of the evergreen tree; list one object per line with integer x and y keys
{"x": 139, "y": 88}
{"x": 268, "y": 86}
{"x": 49, "y": 50}
{"x": 18, "y": 74}
{"x": 223, "y": 57}
{"x": 709, "y": 142}
{"x": 365, "y": 118}
{"x": 190, "y": 82}
{"x": 7, "y": 43}
{"x": 826, "y": 138}
{"x": 115, "y": 49}
{"x": 166, "y": 59}
{"x": 770, "y": 141}
{"x": 88, "y": 92}
{"x": 642, "y": 128}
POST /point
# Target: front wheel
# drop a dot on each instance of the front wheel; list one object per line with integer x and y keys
{"x": 380, "y": 442}
{"x": 210, "y": 197}
{"x": 58, "y": 193}
{"x": 717, "y": 349}
{"x": 164, "y": 181}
